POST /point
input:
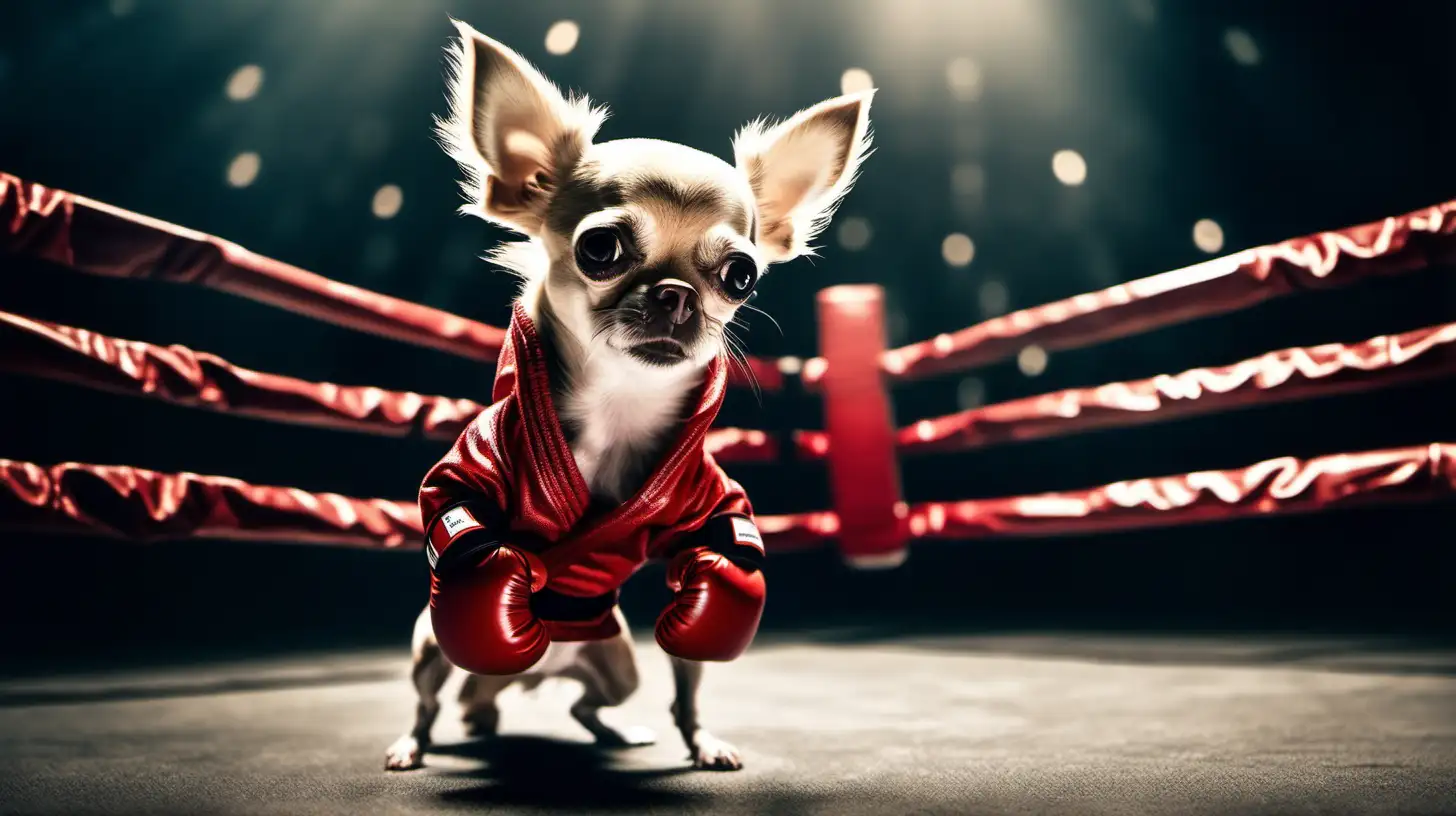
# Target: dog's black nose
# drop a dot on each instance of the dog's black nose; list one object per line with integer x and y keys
{"x": 676, "y": 299}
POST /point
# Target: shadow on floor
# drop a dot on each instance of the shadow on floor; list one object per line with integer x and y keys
{"x": 551, "y": 775}
{"x": 547, "y": 773}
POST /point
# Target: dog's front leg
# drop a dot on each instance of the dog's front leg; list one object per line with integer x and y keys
{"x": 429, "y": 672}
{"x": 707, "y": 751}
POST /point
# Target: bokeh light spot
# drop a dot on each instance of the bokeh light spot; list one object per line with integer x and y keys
{"x": 244, "y": 83}
{"x": 855, "y": 234}
{"x": 243, "y": 169}
{"x": 957, "y": 249}
{"x": 963, "y": 76}
{"x": 387, "y": 201}
{"x": 562, "y": 36}
{"x": 1069, "y": 167}
{"x": 1032, "y": 361}
{"x": 856, "y": 80}
{"x": 1208, "y": 235}
{"x": 1241, "y": 46}
{"x": 971, "y": 393}
{"x": 993, "y": 298}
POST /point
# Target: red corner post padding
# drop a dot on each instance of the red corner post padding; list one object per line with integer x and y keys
{"x": 864, "y": 477}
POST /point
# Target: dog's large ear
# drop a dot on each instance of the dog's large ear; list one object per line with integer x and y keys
{"x": 513, "y": 133}
{"x": 801, "y": 168}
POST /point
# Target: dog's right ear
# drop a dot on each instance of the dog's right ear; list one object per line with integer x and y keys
{"x": 513, "y": 133}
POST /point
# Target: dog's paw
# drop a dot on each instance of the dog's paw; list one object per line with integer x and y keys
{"x": 713, "y": 754}
{"x": 405, "y": 754}
{"x": 633, "y": 736}
{"x": 608, "y": 736}
{"x": 482, "y": 726}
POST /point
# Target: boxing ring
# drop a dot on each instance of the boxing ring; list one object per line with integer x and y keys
{"x": 870, "y": 522}
{"x": 966, "y": 723}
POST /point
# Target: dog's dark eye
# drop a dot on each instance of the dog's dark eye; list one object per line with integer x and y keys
{"x": 737, "y": 276}
{"x": 600, "y": 253}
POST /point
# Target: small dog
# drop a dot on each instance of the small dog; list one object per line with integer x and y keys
{"x": 639, "y": 254}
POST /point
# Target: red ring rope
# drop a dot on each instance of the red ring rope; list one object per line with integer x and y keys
{"x": 99, "y": 239}
{"x": 1393, "y": 245}
{"x": 181, "y": 376}
{"x": 1282, "y": 486}
{"x": 1272, "y": 378}
{"x": 135, "y": 503}
{"x": 145, "y": 505}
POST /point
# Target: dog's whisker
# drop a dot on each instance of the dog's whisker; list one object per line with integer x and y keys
{"x": 737, "y": 351}
{"x": 739, "y": 356}
{"x": 767, "y": 315}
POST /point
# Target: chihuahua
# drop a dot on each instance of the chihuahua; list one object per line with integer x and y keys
{"x": 638, "y": 253}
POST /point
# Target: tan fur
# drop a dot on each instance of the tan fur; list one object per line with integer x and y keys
{"x": 531, "y": 164}
{"x": 797, "y": 191}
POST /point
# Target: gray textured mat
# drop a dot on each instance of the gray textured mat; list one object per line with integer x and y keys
{"x": 966, "y": 726}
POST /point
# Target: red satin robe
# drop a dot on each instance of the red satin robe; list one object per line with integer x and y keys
{"x": 514, "y": 456}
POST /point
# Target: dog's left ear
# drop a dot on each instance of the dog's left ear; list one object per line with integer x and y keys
{"x": 800, "y": 169}
{"x": 512, "y": 132}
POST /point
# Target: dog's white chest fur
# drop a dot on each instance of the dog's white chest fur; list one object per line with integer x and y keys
{"x": 622, "y": 416}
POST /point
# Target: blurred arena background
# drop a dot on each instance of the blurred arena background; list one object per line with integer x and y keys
{"x": 1028, "y": 150}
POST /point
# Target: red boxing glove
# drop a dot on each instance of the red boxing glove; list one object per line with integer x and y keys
{"x": 718, "y": 600}
{"x": 480, "y": 596}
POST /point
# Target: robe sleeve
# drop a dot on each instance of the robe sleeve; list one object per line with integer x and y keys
{"x": 469, "y": 488}
{"x": 716, "y": 514}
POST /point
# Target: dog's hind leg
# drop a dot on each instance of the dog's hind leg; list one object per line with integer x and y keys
{"x": 477, "y": 699}
{"x": 607, "y": 670}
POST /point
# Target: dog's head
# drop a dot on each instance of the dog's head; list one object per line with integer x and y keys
{"x": 651, "y": 247}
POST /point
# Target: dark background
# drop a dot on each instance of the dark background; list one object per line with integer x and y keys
{"x": 1347, "y": 115}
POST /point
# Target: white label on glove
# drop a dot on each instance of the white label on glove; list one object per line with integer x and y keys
{"x": 744, "y": 532}
{"x": 457, "y": 521}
